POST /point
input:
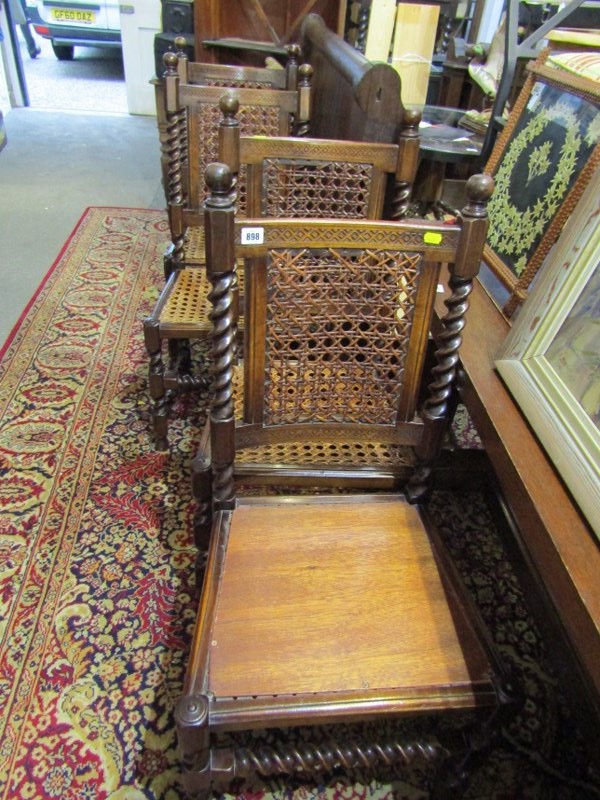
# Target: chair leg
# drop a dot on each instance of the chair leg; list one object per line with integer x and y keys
{"x": 202, "y": 493}
{"x": 168, "y": 261}
{"x": 156, "y": 387}
{"x": 191, "y": 715}
{"x": 183, "y": 363}
{"x": 454, "y": 776}
{"x": 419, "y": 484}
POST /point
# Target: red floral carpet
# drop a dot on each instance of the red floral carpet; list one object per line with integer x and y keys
{"x": 96, "y": 560}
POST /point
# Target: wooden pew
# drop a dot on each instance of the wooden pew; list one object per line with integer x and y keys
{"x": 353, "y": 98}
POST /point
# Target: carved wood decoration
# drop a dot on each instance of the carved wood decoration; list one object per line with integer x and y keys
{"x": 273, "y": 23}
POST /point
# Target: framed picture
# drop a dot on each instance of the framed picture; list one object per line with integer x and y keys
{"x": 551, "y": 358}
{"x": 541, "y": 164}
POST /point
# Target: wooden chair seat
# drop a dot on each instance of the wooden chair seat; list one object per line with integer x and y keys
{"x": 353, "y": 598}
{"x": 332, "y": 608}
{"x": 185, "y": 307}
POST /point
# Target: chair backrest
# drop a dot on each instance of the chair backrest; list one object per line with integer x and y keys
{"x": 268, "y": 112}
{"x": 308, "y": 177}
{"x": 242, "y": 76}
{"x": 191, "y": 138}
{"x": 337, "y": 319}
{"x": 225, "y": 76}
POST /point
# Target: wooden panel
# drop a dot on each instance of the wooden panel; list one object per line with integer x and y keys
{"x": 274, "y": 21}
{"x": 333, "y": 608}
{"x": 352, "y": 98}
{"x": 412, "y": 51}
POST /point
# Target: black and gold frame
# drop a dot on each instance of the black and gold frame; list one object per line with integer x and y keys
{"x": 541, "y": 164}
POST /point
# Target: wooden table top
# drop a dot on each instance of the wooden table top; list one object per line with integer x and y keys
{"x": 557, "y": 543}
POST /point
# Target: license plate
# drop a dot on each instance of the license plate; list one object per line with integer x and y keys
{"x": 78, "y": 16}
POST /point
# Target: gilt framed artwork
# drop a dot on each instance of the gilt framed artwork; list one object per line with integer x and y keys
{"x": 550, "y": 361}
{"x": 541, "y": 163}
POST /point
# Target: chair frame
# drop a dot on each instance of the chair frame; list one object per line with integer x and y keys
{"x": 392, "y": 168}
{"x": 179, "y": 146}
{"x": 200, "y": 712}
{"x": 223, "y": 75}
{"x": 394, "y": 165}
{"x": 182, "y": 142}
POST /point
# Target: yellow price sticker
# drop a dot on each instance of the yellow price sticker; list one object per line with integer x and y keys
{"x": 432, "y": 237}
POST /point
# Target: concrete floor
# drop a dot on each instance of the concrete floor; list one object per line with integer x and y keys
{"x": 93, "y": 81}
{"x": 54, "y": 166}
{"x": 58, "y": 162}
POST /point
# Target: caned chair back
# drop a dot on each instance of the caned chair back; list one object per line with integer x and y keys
{"x": 308, "y": 177}
{"x": 192, "y": 141}
{"x": 267, "y": 112}
{"x": 337, "y": 319}
{"x": 294, "y": 177}
{"x": 228, "y": 76}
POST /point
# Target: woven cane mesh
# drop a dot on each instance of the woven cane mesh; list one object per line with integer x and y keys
{"x": 194, "y": 245}
{"x": 306, "y": 453}
{"x": 339, "y": 454}
{"x": 209, "y": 116}
{"x": 338, "y": 326}
{"x": 297, "y": 189}
{"x": 253, "y": 120}
{"x": 187, "y": 303}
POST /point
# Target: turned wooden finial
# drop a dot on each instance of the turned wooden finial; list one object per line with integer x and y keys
{"x": 219, "y": 179}
{"x": 305, "y": 73}
{"x": 293, "y": 52}
{"x": 180, "y": 42}
{"x": 478, "y": 189}
{"x": 411, "y": 118}
{"x": 229, "y": 106}
{"x": 170, "y": 62}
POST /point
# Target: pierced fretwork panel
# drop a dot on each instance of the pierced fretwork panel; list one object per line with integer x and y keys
{"x": 338, "y": 328}
{"x": 305, "y": 189}
{"x": 242, "y": 83}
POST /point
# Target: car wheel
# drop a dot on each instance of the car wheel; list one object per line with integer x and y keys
{"x": 64, "y": 52}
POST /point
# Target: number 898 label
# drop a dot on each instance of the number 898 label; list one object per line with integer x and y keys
{"x": 252, "y": 235}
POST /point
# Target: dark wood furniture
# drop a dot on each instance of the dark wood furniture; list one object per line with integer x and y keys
{"x": 271, "y": 102}
{"x": 245, "y": 31}
{"x": 204, "y": 74}
{"x": 353, "y": 97}
{"x": 307, "y": 614}
{"x": 560, "y": 553}
{"x": 318, "y": 178}
{"x": 193, "y": 118}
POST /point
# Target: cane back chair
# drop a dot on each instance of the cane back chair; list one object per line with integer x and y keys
{"x": 278, "y": 176}
{"x": 286, "y": 177}
{"x": 192, "y": 128}
{"x": 323, "y": 177}
{"x": 341, "y": 608}
{"x": 180, "y": 314}
{"x": 225, "y": 76}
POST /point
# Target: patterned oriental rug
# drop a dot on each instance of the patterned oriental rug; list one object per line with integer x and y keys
{"x": 97, "y": 595}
